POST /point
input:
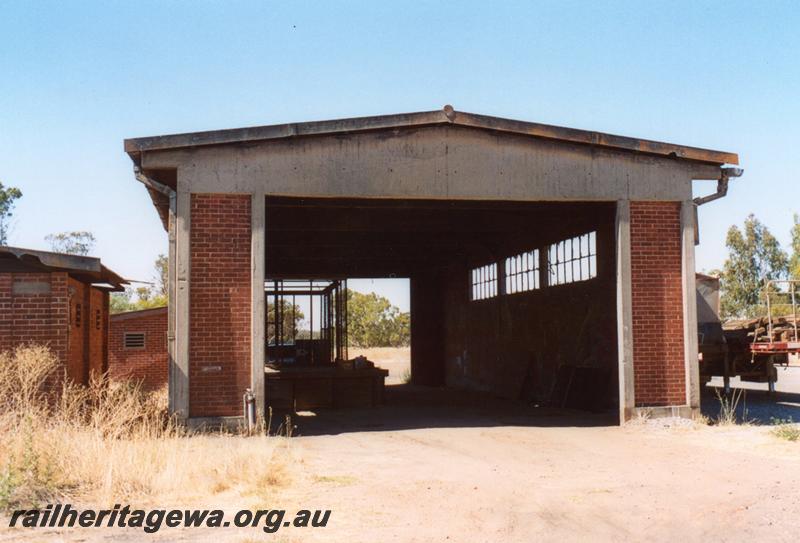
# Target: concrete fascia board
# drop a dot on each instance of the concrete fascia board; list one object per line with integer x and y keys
{"x": 135, "y": 146}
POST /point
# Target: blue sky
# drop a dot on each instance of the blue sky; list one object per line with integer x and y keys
{"x": 76, "y": 78}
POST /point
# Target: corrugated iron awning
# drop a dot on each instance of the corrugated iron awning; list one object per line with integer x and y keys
{"x": 87, "y": 269}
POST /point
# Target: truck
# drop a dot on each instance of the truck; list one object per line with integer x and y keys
{"x": 750, "y": 349}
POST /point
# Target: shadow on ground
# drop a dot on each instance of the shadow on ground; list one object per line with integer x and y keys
{"x": 755, "y": 406}
{"x": 411, "y": 407}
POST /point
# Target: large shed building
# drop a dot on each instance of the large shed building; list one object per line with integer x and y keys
{"x": 530, "y": 249}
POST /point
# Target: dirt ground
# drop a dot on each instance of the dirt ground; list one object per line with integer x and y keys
{"x": 441, "y": 465}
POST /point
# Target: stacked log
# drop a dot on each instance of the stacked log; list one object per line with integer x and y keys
{"x": 758, "y": 330}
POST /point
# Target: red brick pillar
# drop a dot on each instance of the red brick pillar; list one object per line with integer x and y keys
{"x": 657, "y": 304}
{"x": 219, "y": 304}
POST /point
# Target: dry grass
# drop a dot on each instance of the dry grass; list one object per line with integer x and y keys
{"x": 728, "y": 405}
{"x": 108, "y": 443}
{"x": 785, "y": 429}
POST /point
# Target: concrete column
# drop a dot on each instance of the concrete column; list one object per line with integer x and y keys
{"x": 690, "y": 342}
{"x": 179, "y": 366}
{"x": 627, "y": 401}
{"x": 257, "y": 319}
{"x": 172, "y": 301}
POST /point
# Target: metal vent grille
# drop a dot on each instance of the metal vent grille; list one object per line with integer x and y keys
{"x": 133, "y": 340}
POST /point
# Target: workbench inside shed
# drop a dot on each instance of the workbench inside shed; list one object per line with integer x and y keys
{"x": 304, "y": 388}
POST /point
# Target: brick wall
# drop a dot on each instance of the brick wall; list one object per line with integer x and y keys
{"x": 77, "y": 358}
{"x": 148, "y": 365}
{"x": 219, "y": 304}
{"x": 34, "y": 308}
{"x": 656, "y": 264}
{"x": 97, "y": 323}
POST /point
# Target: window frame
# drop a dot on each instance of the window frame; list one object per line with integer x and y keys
{"x": 522, "y": 272}
{"x": 484, "y": 282}
{"x": 570, "y": 260}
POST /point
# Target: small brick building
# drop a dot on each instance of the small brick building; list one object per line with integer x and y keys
{"x": 137, "y": 349}
{"x": 533, "y": 251}
{"x": 59, "y": 300}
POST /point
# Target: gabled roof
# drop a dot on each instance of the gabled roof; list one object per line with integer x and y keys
{"x": 446, "y": 116}
{"x": 86, "y": 269}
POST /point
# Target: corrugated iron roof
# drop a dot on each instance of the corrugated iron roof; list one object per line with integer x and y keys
{"x": 84, "y": 268}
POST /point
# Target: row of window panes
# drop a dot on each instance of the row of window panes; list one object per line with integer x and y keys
{"x": 569, "y": 261}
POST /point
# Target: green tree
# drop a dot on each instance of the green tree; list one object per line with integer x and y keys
{"x": 149, "y": 297}
{"x": 401, "y": 331}
{"x": 794, "y": 261}
{"x": 136, "y": 299}
{"x": 162, "y": 275}
{"x": 754, "y": 257}
{"x": 8, "y": 198}
{"x": 290, "y": 318}
{"x": 72, "y": 243}
{"x": 372, "y": 321}
{"x": 146, "y": 296}
{"x": 120, "y": 302}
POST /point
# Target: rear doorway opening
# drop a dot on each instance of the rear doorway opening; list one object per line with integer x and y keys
{"x": 379, "y": 324}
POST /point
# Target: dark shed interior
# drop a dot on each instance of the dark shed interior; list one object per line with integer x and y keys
{"x": 514, "y": 298}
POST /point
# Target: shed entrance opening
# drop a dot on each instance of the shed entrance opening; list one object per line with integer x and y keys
{"x": 514, "y": 299}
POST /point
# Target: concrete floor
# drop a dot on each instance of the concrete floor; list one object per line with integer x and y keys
{"x": 410, "y": 407}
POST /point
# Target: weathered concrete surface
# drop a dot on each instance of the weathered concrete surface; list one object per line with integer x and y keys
{"x": 690, "y": 328}
{"x": 258, "y": 316}
{"x": 437, "y": 162}
{"x": 624, "y": 317}
{"x": 179, "y": 368}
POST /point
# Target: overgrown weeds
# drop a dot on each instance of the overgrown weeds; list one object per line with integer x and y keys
{"x": 729, "y": 405}
{"x": 109, "y": 442}
{"x": 785, "y": 429}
